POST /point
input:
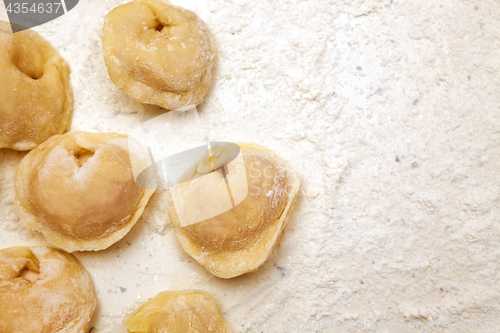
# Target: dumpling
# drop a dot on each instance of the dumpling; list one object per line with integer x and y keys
{"x": 44, "y": 290}
{"x": 36, "y": 100}
{"x": 177, "y": 312}
{"x": 78, "y": 189}
{"x": 230, "y": 219}
{"x": 158, "y": 53}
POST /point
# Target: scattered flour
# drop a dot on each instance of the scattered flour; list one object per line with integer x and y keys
{"x": 389, "y": 110}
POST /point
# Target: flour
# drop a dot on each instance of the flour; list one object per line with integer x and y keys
{"x": 389, "y": 111}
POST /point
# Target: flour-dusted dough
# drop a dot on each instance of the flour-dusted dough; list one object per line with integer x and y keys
{"x": 177, "y": 312}
{"x": 158, "y": 53}
{"x": 78, "y": 189}
{"x": 44, "y": 290}
{"x": 241, "y": 239}
{"x": 36, "y": 100}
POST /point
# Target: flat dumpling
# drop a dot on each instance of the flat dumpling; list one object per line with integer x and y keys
{"x": 158, "y": 53}
{"x": 44, "y": 290}
{"x": 36, "y": 100}
{"x": 188, "y": 311}
{"x": 78, "y": 189}
{"x": 236, "y": 238}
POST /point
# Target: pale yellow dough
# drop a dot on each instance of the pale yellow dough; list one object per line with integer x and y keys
{"x": 36, "y": 100}
{"x": 158, "y": 53}
{"x": 78, "y": 189}
{"x": 241, "y": 239}
{"x": 44, "y": 290}
{"x": 189, "y": 311}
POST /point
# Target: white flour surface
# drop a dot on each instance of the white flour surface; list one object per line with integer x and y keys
{"x": 389, "y": 111}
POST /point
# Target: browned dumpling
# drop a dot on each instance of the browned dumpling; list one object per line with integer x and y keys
{"x": 44, "y": 290}
{"x": 36, "y": 100}
{"x": 188, "y": 311}
{"x": 78, "y": 189}
{"x": 239, "y": 233}
{"x": 158, "y": 53}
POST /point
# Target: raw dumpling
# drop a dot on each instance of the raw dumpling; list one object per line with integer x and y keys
{"x": 187, "y": 311}
{"x": 247, "y": 206}
{"x": 78, "y": 189}
{"x": 44, "y": 290}
{"x": 158, "y": 53}
{"x": 36, "y": 100}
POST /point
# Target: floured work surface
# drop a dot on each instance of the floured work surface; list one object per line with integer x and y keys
{"x": 389, "y": 114}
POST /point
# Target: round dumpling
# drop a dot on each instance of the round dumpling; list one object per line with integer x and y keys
{"x": 78, "y": 189}
{"x": 229, "y": 219}
{"x": 44, "y": 290}
{"x": 177, "y": 312}
{"x": 36, "y": 100}
{"x": 158, "y": 53}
